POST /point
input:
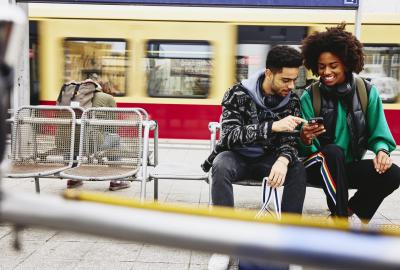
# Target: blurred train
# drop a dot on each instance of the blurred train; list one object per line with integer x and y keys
{"x": 177, "y": 62}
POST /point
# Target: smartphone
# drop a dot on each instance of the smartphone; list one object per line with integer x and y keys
{"x": 316, "y": 120}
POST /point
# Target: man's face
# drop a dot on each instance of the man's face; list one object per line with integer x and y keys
{"x": 283, "y": 82}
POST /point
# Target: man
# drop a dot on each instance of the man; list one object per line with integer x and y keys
{"x": 101, "y": 98}
{"x": 259, "y": 117}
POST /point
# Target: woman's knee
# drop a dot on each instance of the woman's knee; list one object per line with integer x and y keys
{"x": 297, "y": 171}
{"x": 392, "y": 178}
{"x": 333, "y": 150}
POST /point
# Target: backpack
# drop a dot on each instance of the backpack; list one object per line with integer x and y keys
{"x": 81, "y": 92}
{"x": 361, "y": 92}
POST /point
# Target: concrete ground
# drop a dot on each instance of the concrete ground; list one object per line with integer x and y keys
{"x": 49, "y": 249}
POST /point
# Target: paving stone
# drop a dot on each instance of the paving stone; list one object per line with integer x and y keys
{"x": 74, "y": 237}
{"x": 61, "y": 251}
{"x": 27, "y": 249}
{"x": 46, "y": 264}
{"x": 159, "y": 254}
{"x": 8, "y": 264}
{"x": 159, "y": 266}
{"x": 113, "y": 252}
{"x": 35, "y": 234}
{"x": 4, "y": 231}
{"x": 198, "y": 258}
{"x": 104, "y": 264}
{"x": 395, "y": 221}
{"x": 198, "y": 267}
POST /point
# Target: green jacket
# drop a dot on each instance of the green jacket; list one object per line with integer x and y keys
{"x": 378, "y": 130}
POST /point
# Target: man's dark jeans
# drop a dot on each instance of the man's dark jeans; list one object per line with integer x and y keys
{"x": 229, "y": 167}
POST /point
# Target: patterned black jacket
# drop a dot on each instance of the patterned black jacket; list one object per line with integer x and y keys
{"x": 241, "y": 126}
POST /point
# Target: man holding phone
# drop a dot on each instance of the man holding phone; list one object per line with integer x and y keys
{"x": 258, "y": 139}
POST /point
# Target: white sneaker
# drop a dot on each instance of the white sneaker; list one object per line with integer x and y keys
{"x": 356, "y": 223}
{"x": 218, "y": 262}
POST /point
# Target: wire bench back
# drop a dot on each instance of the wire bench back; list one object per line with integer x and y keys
{"x": 42, "y": 140}
{"x": 110, "y": 144}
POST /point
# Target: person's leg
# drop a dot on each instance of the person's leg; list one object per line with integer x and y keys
{"x": 327, "y": 168}
{"x": 227, "y": 167}
{"x": 372, "y": 187}
{"x": 294, "y": 191}
{"x": 294, "y": 185}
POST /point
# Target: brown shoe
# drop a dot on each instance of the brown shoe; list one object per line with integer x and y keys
{"x": 74, "y": 183}
{"x": 116, "y": 185}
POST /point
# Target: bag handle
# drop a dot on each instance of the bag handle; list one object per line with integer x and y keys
{"x": 268, "y": 193}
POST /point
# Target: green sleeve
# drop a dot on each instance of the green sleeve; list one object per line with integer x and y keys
{"x": 380, "y": 135}
{"x": 307, "y": 112}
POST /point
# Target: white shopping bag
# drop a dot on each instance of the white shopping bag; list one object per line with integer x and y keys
{"x": 269, "y": 193}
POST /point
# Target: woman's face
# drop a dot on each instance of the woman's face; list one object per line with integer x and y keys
{"x": 331, "y": 69}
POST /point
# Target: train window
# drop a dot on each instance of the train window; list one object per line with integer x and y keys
{"x": 178, "y": 68}
{"x": 254, "y": 42}
{"x": 382, "y": 68}
{"x": 104, "y": 60}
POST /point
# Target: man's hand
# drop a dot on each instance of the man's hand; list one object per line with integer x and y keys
{"x": 382, "y": 162}
{"x": 287, "y": 124}
{"x": 278, "y": 172}
{"x": 310, "y": 131}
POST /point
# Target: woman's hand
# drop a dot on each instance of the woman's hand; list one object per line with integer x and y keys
{"x": 382, "y": 162}
{"x": 287, "y": 124}
{"x": 310, "y": 131}
{"x": 278, "y": 172}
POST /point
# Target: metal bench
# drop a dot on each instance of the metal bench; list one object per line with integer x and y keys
{"x": 113, "y": 145}
{"x": 42, "y": 142}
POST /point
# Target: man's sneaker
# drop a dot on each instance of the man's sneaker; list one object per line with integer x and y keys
{"x": 74, "y": 183}
{"x": 117, "y": 185}
{"x": 218, "y": 262}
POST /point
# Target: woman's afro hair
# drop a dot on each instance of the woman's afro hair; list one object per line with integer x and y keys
{"x": 337, "y": 41}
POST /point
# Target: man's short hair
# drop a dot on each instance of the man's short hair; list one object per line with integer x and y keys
{"x": 283, "y": 56}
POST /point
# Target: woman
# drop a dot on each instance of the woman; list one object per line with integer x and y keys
{"x": 336, "y": 147}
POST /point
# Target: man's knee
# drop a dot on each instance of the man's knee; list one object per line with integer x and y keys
{"x": 224, "y": 165}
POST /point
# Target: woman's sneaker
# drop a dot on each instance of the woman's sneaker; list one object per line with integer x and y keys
{"x": 117, "y": 185}
{"x": 74, "y": 183}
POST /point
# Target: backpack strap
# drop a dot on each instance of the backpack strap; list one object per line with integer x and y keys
{"x": 61, "y": 92}
{"x": 316, "y": 99}
{"x": 76, "y": 90}
{"x": 362, "y": 94}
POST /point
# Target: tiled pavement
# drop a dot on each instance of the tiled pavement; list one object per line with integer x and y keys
{"x": 49, "y": 249}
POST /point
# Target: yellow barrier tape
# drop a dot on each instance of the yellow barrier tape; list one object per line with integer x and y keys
{"x": 230, "y": 213}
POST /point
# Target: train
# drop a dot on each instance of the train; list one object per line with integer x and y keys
{"x": 177, "y": 62}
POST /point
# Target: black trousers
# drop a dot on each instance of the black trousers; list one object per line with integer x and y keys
{"x": 229, "y": 167}
{"x": 372, "y": 187}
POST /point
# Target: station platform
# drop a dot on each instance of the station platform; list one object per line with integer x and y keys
{"x": 50, "y": 249}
